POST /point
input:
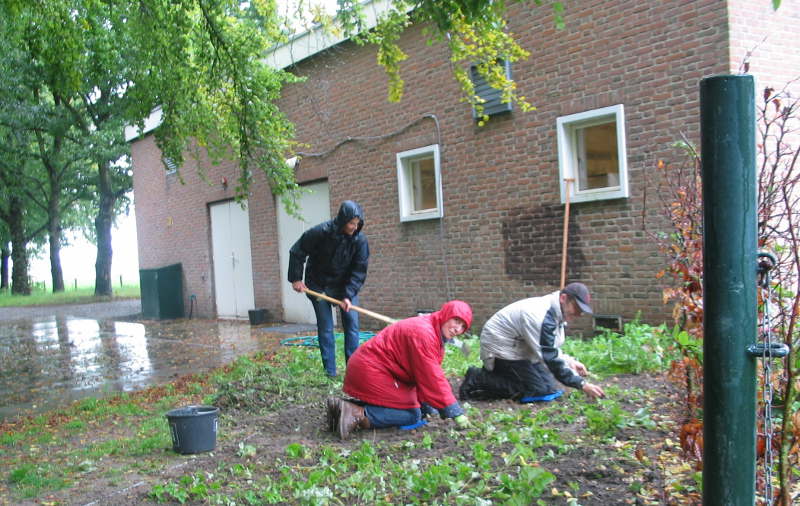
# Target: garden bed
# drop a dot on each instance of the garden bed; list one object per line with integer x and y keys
{"x": 273, "y": 447}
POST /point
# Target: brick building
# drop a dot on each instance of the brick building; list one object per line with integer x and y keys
{"x": 455, "y": 210}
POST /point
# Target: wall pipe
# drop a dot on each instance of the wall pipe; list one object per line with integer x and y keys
{"x": 727, "y": 124}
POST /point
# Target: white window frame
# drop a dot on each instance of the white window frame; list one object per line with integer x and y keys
{"x": 566, "y": 127}
{"x": 405, "y": 186}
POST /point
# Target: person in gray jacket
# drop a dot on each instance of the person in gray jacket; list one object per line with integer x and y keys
{"x": 520, "y": 350}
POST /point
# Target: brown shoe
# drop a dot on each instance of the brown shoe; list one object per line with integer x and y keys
{"x": 351, "y": 417}
{"x": 332, "y": 408}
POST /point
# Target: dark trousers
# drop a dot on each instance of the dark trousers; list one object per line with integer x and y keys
{"x": 327, "y": 343}
{"x": 510, "y": 379}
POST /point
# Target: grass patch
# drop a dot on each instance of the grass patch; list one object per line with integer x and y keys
{"x": 81, "y": 295}
{"x": 33, "y": 479}
{"x": 11, "y": 438}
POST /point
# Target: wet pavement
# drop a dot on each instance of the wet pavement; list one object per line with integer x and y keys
{"x": 52, "y": 356}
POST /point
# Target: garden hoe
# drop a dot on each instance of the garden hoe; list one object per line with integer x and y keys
{"x": 463, "y": 346}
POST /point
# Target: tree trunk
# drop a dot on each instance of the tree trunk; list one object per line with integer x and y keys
{"x": 5, "y": 254}
{"x": 102, "y": 225}
{"x": 55, "y": 256}
{"x": 20, "y": 284}
{"x": 54, "y": 231}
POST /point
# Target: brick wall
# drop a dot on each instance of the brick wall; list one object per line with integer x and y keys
{"x": 267, "y": 275}
{"x": 173, "y": 222}
{"x": 500, "y": 238}
{"x": 767, "y": 40}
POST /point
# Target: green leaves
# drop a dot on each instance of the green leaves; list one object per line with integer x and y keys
{"x": 247, "y": 450}
{"x": 475, "y": 31}
{"x": 528, "y": 485}
{"x": 605, "y": 418}
{"x": 641, "y": 348}
{"x": 201, "y": 62}
{"x": 32, "y": 479}
{"x": 196, "y": 487}
{"x": 690, "y": 345}
{"x": 485, "y": 41}
{"x": 296, "y": 451}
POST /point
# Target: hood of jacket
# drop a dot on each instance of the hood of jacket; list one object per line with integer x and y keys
{"x": 347, "y": 211}
{"x": 452, "y": 309}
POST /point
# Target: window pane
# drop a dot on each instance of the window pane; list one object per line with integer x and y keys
{"x": 598, "y": 160}
{"x": 423, "y": 181}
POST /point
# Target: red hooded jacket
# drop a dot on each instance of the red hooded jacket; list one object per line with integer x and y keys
{"x": 401, "y": 367}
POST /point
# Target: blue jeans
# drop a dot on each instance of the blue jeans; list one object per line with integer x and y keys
{"x": 380, "y": 417}
{"x": 325, "y": 337}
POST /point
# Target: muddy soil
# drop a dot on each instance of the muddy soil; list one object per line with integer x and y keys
{"x": 605, "y": 475}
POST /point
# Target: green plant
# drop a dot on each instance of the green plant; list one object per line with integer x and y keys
{"x": 246, "y": 451}
{"x": 455, "y": 363}
{"x": 256, "y": 385}
{"x": 473, "y": 31}
{"x": 75, "y": 425}
{"x": 641, "y": 418}
{"x": 640, "y": 348}
{"x": 11, "y": 438}
{"x": 604, "y": 419}
{"x": 296, "y": 451}
{"x": 688, "y": 344}
{"x": 528, "y": 485}
{"x": 511, "y": 441}
{"x": 679, "y": 187}
{"x": 169, "y": 491}
{"x": 197, "y": 487}
{"x": 482, "y": 457}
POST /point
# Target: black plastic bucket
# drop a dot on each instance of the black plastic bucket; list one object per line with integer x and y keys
{"x": 193, "y": 428}
{"x": 257, "y": 316}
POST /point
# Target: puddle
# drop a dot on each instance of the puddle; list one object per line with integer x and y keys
{"x": 52, "y": 361}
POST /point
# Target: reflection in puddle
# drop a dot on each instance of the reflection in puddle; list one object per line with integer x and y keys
{"x": 50, "y": 362}
{"x": 130, "y": 339}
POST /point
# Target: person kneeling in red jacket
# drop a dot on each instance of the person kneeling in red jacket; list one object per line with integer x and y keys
{"x": 398, "y": 370}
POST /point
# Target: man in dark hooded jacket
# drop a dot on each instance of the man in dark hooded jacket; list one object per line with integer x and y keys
{"x": 335, "y": 254}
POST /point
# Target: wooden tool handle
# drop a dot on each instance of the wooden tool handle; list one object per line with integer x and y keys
{"x": 567, "y": 181}
{"x": 361, "y": 310}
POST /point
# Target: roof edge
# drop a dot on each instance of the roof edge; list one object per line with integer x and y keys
{"x": 317, "y": 39}
{"x": 133, "y": 132}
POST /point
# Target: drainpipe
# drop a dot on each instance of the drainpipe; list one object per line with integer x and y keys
{"x": 727, "y": 124}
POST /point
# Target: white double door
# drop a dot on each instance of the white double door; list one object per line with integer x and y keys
{"x": 233, "y": 267}
{"x": 314, "y": 208}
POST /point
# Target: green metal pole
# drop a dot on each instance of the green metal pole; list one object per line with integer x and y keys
{"x": 727, "y": 123}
